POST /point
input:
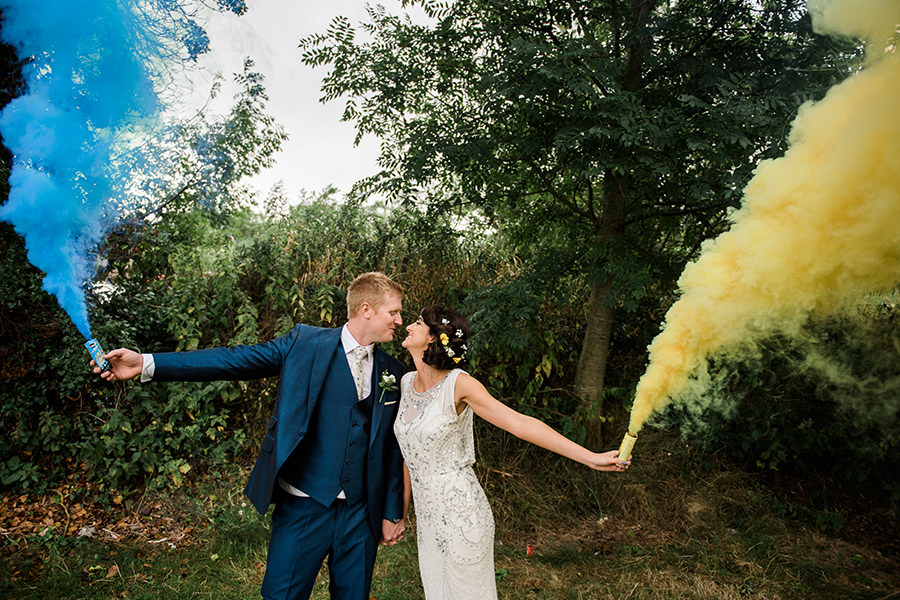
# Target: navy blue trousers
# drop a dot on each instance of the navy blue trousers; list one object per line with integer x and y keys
{"x": 304, "y": 533}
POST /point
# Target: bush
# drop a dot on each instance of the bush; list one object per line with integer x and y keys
{"x": 818, "y": 413}
{"x": 813, "y": 411}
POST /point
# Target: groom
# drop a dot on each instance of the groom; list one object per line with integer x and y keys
{"x": 329, "y": 460}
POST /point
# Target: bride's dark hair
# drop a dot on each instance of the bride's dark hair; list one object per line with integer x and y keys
{"x": 451, "y": 336}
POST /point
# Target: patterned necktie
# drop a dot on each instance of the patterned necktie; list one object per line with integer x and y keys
{"x": 359, "y": 355}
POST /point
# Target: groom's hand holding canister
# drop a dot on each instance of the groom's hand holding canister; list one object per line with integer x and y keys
{"x": 124, "y": 364}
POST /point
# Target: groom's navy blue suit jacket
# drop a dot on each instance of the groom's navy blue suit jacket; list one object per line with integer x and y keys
{"x": 301, "y": 359}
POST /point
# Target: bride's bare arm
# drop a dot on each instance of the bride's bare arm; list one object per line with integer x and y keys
{"x": 470, "y": 391}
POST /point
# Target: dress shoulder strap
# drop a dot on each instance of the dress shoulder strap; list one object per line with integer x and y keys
{"x": 448, "y": 397}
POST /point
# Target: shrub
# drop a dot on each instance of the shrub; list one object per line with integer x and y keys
{"x": 821, "y": 410}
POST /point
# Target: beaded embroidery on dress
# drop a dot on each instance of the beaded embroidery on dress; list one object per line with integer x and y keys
{"x": 454, "y": 523}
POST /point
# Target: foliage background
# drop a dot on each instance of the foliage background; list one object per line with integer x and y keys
{"x": 197, "y": 278}
{"x": 814, "y": 419}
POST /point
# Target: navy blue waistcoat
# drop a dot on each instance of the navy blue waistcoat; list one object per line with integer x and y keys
{"x": 332, "y": 455}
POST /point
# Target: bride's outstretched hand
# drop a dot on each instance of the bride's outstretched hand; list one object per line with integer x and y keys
{"x": 609, "y": 461}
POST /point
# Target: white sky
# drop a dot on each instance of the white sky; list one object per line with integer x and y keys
{"x": 319, "y": 151}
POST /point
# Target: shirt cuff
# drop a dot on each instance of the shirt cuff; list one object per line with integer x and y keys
{"x": 148, "y": 369}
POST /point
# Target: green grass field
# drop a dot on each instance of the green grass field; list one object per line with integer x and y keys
{"x": 666, "y": 529}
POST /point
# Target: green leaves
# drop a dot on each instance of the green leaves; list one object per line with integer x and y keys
{"x": 203, "y": 162}
{"x": 631, "y": 127}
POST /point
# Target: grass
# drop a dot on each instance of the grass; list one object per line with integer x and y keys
{"x": 669, "y": 528}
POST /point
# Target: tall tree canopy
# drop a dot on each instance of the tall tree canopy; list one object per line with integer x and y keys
{"x": 611, "y": 136}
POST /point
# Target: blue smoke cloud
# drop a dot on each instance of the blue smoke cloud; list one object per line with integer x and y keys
{"x": 91, "y": 84}
{"x": 84, "y": 85}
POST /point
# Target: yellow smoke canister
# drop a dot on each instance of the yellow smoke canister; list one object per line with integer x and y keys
{"x": 626, "y": 446}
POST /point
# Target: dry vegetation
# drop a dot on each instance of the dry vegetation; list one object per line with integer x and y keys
{"x": 669, "y": 528}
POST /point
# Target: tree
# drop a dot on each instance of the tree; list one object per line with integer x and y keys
{"x": 206, "y": 160}
{"x": 629, "y": 126}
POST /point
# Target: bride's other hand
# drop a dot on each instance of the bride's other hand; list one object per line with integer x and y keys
{"x": 391, "y": 533}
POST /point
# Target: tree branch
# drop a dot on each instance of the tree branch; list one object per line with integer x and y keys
{"x": 683, "y": 212}
{"x": 570, "y": 204}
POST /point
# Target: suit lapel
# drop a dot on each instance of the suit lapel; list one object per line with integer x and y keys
{"x": 377, "y": 400}
{"x": 321, "y": 361}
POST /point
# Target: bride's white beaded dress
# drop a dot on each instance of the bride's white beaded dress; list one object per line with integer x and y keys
{"x": 454, "y": 524}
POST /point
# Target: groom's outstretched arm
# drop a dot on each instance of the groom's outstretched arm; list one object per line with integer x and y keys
{"x": 241, "y": 362}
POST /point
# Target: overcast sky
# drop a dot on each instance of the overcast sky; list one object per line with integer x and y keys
{"x": 320, "y": 149}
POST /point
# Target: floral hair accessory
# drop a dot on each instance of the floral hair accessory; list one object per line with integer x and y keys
{"x": 445, "y": 342}
{"x": 445, "y": 322}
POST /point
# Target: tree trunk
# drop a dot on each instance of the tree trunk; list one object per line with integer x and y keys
{"x": 589, "y": 378}
{"x": 591, "y": 371}
{"x": 601, "y": 313}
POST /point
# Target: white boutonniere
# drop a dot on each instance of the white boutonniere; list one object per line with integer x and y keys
{"x": 387, "y": 383}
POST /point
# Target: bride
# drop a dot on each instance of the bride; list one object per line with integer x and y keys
{"x": 434, "y": 428}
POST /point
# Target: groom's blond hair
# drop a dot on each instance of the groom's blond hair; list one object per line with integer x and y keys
{"x": 372, "y": 287}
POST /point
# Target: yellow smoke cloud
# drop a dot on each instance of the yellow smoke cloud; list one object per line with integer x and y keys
{"x": 874, "y": 21}
{"x": 818, "y": 226}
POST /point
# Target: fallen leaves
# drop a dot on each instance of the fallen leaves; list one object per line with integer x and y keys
{"x": 30, "y": 523}
{"x": 25, "y": 516}
{"x": 35, "y": 524}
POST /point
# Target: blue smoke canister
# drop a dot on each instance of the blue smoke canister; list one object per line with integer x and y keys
{"x": 97, "y": 353}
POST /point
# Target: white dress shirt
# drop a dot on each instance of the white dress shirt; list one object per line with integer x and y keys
{"x": 349, "y": 343}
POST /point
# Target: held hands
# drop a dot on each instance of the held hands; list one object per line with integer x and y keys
{"x": 123, "y": 364}
{"x": 609, "y": 461}
{"x": 391, "y": 533}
